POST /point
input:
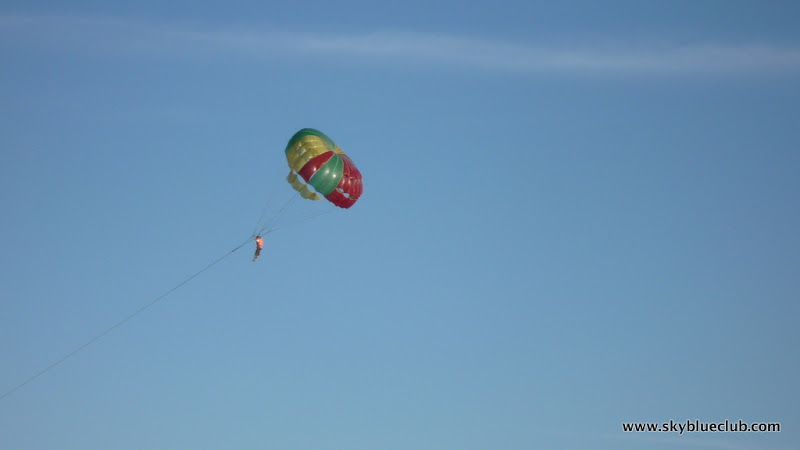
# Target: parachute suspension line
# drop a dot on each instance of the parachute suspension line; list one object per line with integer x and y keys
{"x": 270, "y": 195}
{"x": 121, "y": 322}
{"x": 274, "y": 219}
{"x": 261, "y": 217}
{"x": 307, "y": 217}
{"x": 265, "y": 231}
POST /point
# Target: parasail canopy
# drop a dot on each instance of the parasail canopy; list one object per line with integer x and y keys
{"x": 320, "y": 169}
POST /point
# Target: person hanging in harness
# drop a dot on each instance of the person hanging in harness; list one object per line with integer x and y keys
{"x": 259, "y": 246}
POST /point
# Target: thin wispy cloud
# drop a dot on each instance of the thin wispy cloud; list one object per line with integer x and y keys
{"x": 414, "y": 49}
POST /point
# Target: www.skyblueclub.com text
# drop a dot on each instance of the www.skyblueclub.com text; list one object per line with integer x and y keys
{"x": 690, "y": 426}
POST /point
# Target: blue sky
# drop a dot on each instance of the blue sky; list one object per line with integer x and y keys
{"x": 574, "y": 216}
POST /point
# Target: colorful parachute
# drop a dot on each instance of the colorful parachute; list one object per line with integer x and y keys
{"x": 314, "y": 157}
